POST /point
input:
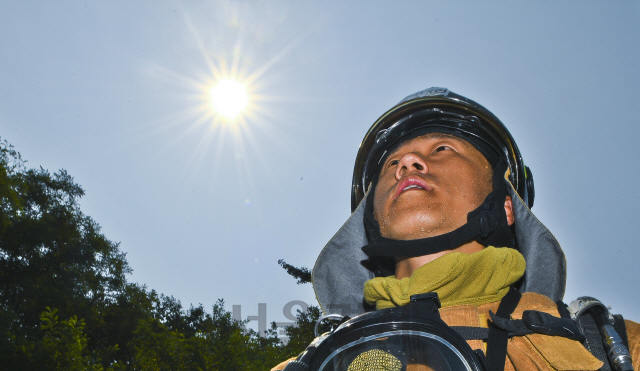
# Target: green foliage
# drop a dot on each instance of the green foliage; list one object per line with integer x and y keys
{"x": 50, "y": 253}
{"x": 65, "y": 303}
{"x": 302, "y": 333}
{"x": 302, "y": 274}
{"x": 65, "y": 343}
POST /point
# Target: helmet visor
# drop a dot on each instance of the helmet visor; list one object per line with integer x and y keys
{"x": 425, "y": 122}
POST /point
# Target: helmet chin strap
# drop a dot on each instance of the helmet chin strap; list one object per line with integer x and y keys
{"x": 487, "y": 224}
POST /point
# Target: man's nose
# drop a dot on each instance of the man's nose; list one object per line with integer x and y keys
{"x": 411, "y": 162}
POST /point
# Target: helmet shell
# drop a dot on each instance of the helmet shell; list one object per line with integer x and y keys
{"x": 479, "y": 123}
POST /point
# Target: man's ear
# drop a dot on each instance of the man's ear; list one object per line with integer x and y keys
{"x": 508, "y": 208}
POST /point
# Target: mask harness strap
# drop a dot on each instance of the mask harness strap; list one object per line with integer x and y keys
{"x": 481, "y": 222}
{"x": 487, "y": 224}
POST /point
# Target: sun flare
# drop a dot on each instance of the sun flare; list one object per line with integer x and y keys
{"x": 229, "y": 98}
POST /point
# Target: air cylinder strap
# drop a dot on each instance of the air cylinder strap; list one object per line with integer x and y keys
{"x": 593, "y": 340}
{"x": 498, "y": 338}
{"x": 621, "y": 329}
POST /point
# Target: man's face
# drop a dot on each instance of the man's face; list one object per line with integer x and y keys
{"x": 428, "y": 185}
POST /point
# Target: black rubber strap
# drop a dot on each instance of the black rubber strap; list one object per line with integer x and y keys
{"x": 562, "y": 309}
{"x": 498, "y": 338}
{"x": 296, "y": 366}
{"x": 472, "y": 333}
{"x": 424, "y": 246}
{"x": 593, "y": 341}
{"x": 621, "y": 329}
{"x": 487, "y": 224}
{"x": 481, "y": 333}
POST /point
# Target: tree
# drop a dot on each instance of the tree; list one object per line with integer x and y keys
{"x": 65, "y": 303}
{"x": 303, "y": 275}
{"x": 51, "y": 254}
{"x": 303, "y": 332}
{"x": 64, "y": 342}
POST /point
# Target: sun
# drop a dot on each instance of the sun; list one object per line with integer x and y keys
{"x": 229, "y": 98}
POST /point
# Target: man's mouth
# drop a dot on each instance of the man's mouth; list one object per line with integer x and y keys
{"x": 412, "y": 186}
{"x": 412, "y": 183}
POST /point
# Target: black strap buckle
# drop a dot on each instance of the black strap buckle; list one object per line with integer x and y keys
{"x": 544, "y": 323}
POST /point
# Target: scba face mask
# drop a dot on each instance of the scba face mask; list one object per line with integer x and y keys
{"x": 411, "y": 338}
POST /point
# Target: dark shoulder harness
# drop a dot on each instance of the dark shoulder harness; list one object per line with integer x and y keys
{"x": 606, "y": 334}
{"x": 586, "y": 320}
{"x": 380, "y": 338}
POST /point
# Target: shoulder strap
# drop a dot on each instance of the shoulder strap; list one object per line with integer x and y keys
{"x": 588, "y": 327}
{"x": 606, "y": 335}
{"x": 498, "y": 338}
{"x": 621, "y": 329}
{"x": 562, "y": 309}
{"x": 593, "y": 341}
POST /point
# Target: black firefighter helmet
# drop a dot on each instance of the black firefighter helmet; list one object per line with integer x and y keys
{"x": 438, "y": 110}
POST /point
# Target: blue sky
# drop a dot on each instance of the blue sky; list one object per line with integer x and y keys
{"x": 115, "y": 93}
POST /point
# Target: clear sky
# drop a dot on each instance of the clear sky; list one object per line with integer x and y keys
{"x": 115, "y": 92}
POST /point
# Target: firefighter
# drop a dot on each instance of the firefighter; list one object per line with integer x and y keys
{"x": 441, "y": 202}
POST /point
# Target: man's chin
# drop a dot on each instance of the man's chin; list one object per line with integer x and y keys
{"x": 414, "y": 233}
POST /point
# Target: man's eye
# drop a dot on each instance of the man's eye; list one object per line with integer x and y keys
{"x": 441, "y": 148}
{"x": 393, "y": 163}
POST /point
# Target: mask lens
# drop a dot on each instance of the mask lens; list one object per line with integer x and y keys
{"x": 401, "y": 350}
